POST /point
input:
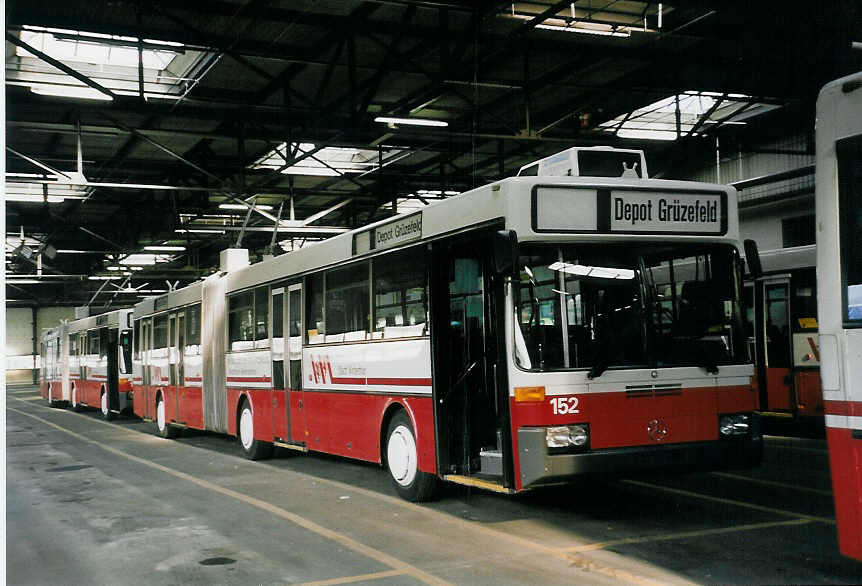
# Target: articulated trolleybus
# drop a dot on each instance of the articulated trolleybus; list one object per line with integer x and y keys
{"x": 516, "y": 335}
{"x": 88, "y": 363}
{"x": 839, "y": 305}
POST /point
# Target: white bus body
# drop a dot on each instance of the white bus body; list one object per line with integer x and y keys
{"x": 839, "y": 305}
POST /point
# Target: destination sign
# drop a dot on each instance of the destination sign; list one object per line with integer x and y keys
{"x": 632, "y": 211}
{"x": 650, "y": 211}
{"x": 389, "y": 235}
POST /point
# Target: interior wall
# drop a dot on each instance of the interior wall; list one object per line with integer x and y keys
{"x": 20, "y": 358}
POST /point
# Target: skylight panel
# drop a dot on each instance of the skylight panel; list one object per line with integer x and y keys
{"x": 326, "y": 162}
{"x": 96, "y": 49}
{"x": 698, "y": 111}
{"x": 109, "y": 60}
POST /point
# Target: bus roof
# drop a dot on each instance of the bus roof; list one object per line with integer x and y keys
{"x": 514, "y": 203}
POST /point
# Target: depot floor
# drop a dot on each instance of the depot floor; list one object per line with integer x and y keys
{"x": 90, "y": 502}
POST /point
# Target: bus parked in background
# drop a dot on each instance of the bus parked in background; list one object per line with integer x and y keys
{"x": 839, "y": 281}
{"x": 781, "y": 324}
{"x": 100, "y": 362}
{"x": 54, "y": 384}
{"x": 519, "y": 334}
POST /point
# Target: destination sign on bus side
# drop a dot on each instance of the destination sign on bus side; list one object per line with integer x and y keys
{"x": 650, "y": 211}
{"x": 389, "y": 235}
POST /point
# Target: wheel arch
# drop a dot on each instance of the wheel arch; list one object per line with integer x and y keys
{"x": 389, "y": 412}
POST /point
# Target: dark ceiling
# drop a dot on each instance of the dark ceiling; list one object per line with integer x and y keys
{"x": 254, "y": 74}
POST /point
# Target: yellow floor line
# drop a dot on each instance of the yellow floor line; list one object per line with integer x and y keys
{"x": 684, "y": 535}
{"x": 352, "y": 579}
{"x": 715, "y": 499}
{"x": 383, "y": 558}
{"x": 773, "y": 483}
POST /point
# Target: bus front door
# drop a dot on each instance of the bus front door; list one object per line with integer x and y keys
{"x": 112, "y": 387}
{"x": 775, "y": 381}
{"x": 469, "y": 415}
{"x": 146, "y": 345}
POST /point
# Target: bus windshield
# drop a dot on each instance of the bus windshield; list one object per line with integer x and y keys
{"x": 598, "y": 306}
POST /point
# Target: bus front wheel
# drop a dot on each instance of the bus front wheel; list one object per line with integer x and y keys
{"x": 251, "y": 448}
{"x": 402, "y": 461}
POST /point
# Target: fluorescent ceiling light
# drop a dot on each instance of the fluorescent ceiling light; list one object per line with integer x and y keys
{"x": 239, "y": 206}
{"x": 609, "y": 32}
{"x": 165, "y": 248}
{"x": 104, "y": 278}
{"x": 23, "y": 281}
{"x": 411, "y": 121}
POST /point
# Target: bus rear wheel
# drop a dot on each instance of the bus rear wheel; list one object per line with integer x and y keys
{"x": 106, "y": 412}
{"x": 403, "y": 463}
{"x": 252, "y": 449}
{"x": 165, "y": 429}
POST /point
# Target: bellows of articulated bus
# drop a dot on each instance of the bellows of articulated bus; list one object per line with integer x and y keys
{"x": 599, "y": 161}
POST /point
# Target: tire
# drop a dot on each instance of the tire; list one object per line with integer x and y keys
{"x": 106, "y": 412}
{"x": 252, "y": 449}
{"x": 165, "y": 429}
{"x": 402, "y": 462}
{"x": 76, "y": 407}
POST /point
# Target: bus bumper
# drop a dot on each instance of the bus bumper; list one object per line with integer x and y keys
{"x": 538, "y": 467}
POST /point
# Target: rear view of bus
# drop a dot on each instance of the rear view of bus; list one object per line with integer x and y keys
{"x": 627, "y": 344}
{"x": 839, "y": 306}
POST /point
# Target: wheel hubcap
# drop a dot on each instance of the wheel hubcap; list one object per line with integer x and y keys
{"x": 401, "y": 455}
{"x": 104, "y": 403}
{"x": 246, "y": 428}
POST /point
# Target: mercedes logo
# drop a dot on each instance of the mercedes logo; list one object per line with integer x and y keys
{"x": 657, "y": 430}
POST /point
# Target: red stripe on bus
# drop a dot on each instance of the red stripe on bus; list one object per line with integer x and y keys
{"x": 248, "y": 379}
{"x": 194, "y": 379}
{"x": 346, "y": 381}
{"x": 401, "y": 382}
{"x": 848, "y": 408}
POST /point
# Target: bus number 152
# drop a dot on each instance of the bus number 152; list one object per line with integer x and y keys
{"x": 565, "y": 405}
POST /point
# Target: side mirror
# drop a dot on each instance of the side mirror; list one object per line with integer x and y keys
{"x": 752, "y": 258}
{"x": 505, "y": 247}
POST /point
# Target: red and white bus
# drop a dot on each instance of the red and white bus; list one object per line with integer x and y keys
{"x": 781, "y": 325}
{"x": 518, "y": 334}
{"x": 839, "y": 280}
{"x": 54, "y": 366}
{"x": 100, "y": 362}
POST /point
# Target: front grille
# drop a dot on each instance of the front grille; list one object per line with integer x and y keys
{"x": 654, "y": 390}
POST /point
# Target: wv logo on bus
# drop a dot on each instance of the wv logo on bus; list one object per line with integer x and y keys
{"x": 321, "y": 370}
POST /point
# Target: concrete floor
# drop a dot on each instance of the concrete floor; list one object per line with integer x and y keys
{"x": 90, "y": 502}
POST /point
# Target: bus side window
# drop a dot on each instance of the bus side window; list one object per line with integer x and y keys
{"x": 193, "y": 331}
{"x": 160, "y": 331}
{"x": 314, "y": 309}
{"x": 261, "y": 317}
{"x": 241, "y": 321}
{"x": 400, "y": 295}
{"x": 346, "y": 303}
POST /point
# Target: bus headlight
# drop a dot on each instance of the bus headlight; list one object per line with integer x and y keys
{"x": 567, "y": 436}
{"x": 733, "y": 425}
